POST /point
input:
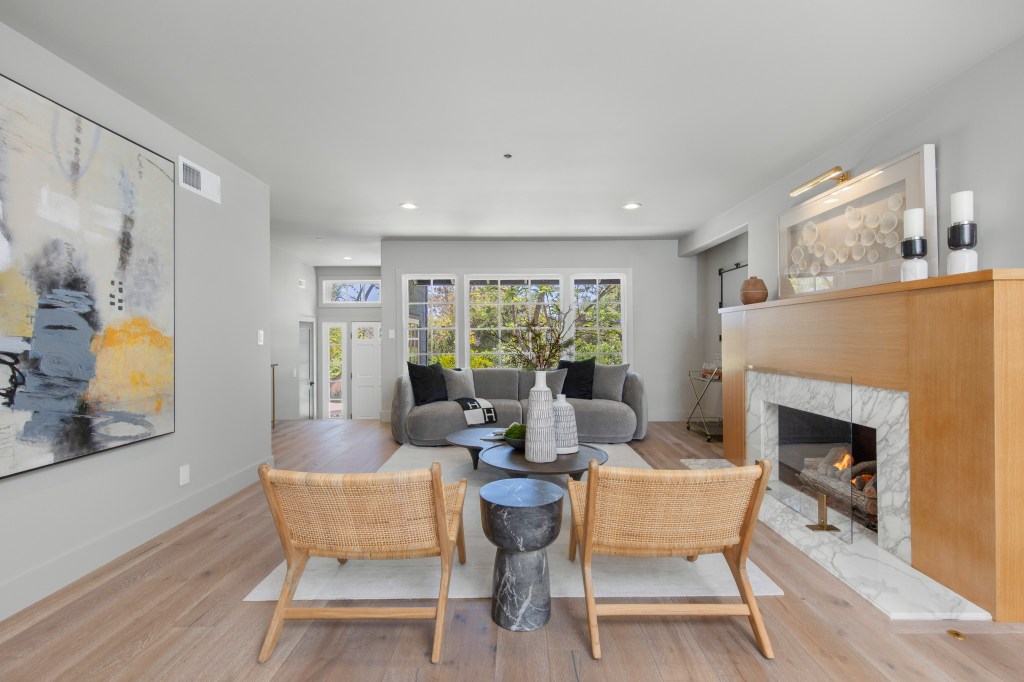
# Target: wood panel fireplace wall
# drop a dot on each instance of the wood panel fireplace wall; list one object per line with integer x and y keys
{"x": 956, "y": 345}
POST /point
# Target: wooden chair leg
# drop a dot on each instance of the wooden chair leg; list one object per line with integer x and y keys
{"x": 291, "y": 581}
{"x": 461, "y": 542}
{"x": 692, "y": 557}
{"x": 572, "y": 539}
{"x": 739, "y": 574}
{"x": 342, "y": 561}
{"x": 588, "y": 591}
{"x": 442, "y": 603}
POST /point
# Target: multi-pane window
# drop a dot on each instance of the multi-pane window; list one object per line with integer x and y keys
{"x": 500, "y": 312}
{"x": 351, "y": 292}
{"x": 430, "y": 315}
{"x": 599, "y": 327}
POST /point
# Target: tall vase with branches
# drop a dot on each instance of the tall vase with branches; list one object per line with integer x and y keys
{"x": 542, "y": 337}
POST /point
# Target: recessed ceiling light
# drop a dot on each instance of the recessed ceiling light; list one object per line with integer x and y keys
{"x": 408, "y": 205}
{"x": 346, "y": 258}
{"x": 319, "y": 239}
{"x": 631, "y": 206}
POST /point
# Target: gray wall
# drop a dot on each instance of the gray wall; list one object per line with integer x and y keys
{"x": 63, "y": 521}
{"x": 289, "y": 304}
{"x": 974, "y": 120}
{"x": 664, "y": 308}
{"x": 724, "y": 255}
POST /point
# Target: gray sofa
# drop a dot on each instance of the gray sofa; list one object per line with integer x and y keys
{"x": 597, "y": 421}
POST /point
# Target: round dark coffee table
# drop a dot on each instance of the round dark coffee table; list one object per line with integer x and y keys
{"x": 475, "y": 440}
{"x": 513, "y": 462}
{"x": 521, "y": 518}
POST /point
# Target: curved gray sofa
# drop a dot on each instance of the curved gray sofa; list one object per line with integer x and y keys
{"x": 597, "y": 421}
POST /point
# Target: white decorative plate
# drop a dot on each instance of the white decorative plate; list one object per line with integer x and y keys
{"x": 830, "y": 257}
{"x": 857, "y": 251}
{"x": 889, "y": 222}
{"x": 867, "y": 237}
{"x": 871, "y": 219}
{"x": 872, "y": 255}
{"x": 843, "y": 254}
{"x": 819, "y": 249}
{"x": 895, "y": 201}
{"x": 854, "y": 216}
{"x": 815, "y": 268}
{"x": 851, "y": 237}
{"x": 810, "y": 232}
{"x": 797, "y": 254}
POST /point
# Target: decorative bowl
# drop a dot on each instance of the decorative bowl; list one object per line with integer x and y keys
{"x": 517, "y": 443}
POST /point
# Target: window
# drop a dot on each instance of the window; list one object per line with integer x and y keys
{"x": 351, "y": 292}
{"x": 500, "y": 309}
{"x": 335, "y": 371}
{"x": 430, "y": 320}
{"x": 599, "y": 318}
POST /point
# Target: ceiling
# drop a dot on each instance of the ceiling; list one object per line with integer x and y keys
{"x": 347, "y": 109}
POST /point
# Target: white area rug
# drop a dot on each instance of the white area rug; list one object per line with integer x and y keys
{"x": 325, "y": 579}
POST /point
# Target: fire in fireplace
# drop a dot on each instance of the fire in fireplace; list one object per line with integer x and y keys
{"x": 829, "y": 456}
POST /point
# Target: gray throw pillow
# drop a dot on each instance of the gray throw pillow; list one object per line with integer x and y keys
{"x": 608, "y": 381}
{"x": 459, "y": 383}
{"x": 527, "y": 378}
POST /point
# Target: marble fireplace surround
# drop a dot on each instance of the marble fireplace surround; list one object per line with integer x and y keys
{"x": 883, "y": 410}
{"x": 878, "y": 570}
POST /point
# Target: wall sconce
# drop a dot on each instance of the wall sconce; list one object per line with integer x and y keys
{"x": 837, "y": 174}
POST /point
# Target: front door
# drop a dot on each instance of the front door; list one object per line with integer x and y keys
{"x": 365, "y": 364}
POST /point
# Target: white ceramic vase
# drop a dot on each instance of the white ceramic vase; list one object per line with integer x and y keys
{"x": 540, "y": 423}
{"x": 566, "y": 438}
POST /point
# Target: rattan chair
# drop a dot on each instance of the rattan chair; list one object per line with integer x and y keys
{"x": 645, "y": 513}
{"x": 401, "y": 515}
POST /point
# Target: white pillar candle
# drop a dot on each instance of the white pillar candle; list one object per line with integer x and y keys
{"x": 962, "y": 205}
{"x": 913, "y": 223}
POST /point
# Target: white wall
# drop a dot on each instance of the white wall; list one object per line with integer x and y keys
{"x": 289, "y": 304}
{"x": 664, "y": 309}
{"x": 63, "y": 521}
{"x": 974, "y": 120}
{"x": 724, "y": 255}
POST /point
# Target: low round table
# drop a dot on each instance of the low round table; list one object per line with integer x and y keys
{"x": 474, "y": 440}
{"x": 521, "y": 517}
{"x": 513, "y": 462}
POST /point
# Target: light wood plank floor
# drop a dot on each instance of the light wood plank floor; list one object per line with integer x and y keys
{"x": 172, "y": 609}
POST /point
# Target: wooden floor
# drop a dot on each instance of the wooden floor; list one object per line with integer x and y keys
{"x": 173, "y": 609}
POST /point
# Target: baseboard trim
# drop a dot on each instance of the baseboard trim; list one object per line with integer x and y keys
{"x": 42, "y": 580}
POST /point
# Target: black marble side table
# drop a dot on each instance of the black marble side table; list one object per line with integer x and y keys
{"x": 521, "y": 517}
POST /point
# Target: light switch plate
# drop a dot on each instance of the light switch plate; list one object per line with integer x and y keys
{"x": 183, "y": 475}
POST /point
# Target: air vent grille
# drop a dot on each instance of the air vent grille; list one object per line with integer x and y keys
{"x": 195, "y": 178}
{"x": 191, "y": 177}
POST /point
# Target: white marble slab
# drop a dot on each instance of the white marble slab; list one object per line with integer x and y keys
{"x": 896, "y": 588}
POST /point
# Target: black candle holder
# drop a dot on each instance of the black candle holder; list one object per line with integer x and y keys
{"x": 962, "y": 236}
{"x": 916, "y": 247}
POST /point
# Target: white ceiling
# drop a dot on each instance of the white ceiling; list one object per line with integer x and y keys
{"x": 347, "y": 109}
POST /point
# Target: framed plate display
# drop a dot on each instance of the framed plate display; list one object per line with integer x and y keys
{"x": 850, "y": 236}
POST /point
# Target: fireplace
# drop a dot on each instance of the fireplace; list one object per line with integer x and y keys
{"x": 769, "y": 390}
{"x": 824, "y": 456}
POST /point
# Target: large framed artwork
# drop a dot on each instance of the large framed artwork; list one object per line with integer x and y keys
{"x": 850, "y": 236}
{"x": 86, "y": 286}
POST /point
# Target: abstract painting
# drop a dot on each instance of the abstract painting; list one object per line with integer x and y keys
{"x": 86, "y": 286}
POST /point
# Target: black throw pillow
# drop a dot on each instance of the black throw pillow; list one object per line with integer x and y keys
{"x": 427, "y": 383}
{"x": 579, "y": 379}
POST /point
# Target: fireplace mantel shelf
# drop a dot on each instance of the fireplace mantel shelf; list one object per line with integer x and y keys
{"x": 954, "y": 345}
{"x": 1002, "y": 274}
